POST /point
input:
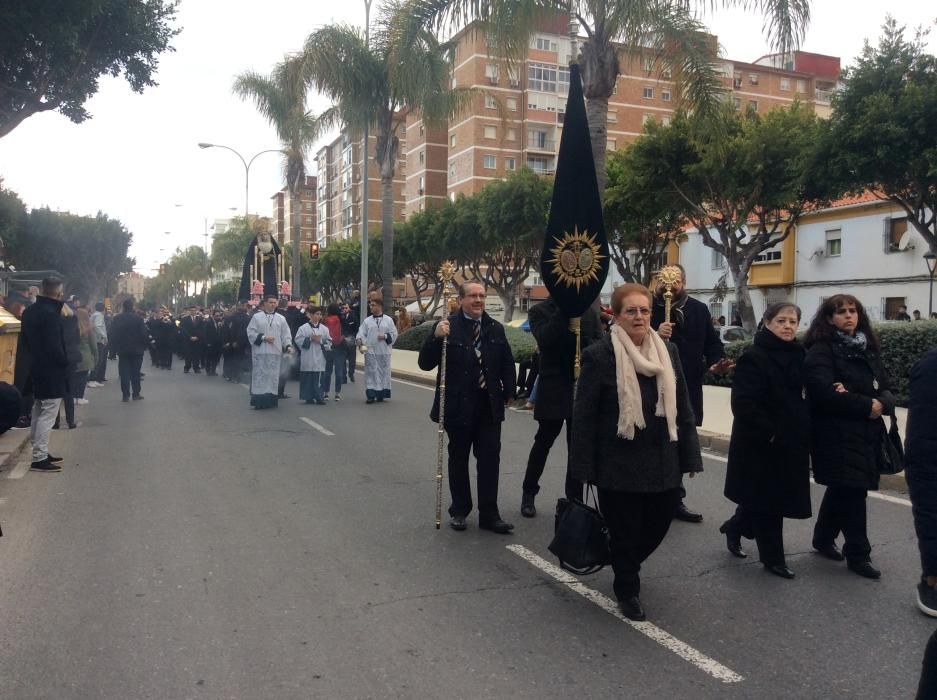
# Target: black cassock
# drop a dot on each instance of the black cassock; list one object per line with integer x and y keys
{"x": 271, "y": 282}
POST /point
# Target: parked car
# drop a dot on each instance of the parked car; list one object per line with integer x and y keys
{"x": 731, "y": 334}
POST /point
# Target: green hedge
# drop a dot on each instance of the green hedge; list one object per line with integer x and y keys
{"x": 902, "y": 345}
{"x": 521, "y": 342}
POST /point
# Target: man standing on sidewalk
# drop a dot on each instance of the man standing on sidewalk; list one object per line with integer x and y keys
{"x": 129, "y": 340}
{"x": 44, "y": 342}
{"x": 99, "y": 327}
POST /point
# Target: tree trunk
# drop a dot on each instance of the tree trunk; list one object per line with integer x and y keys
{"x": 387, "y": 241}
{"x": 599, "y": 75}
{"x": 507, "y": 298}
{"x": 743, "y": 299}
{"x": 295, "y": 238}
{"x": 597, "y": 114}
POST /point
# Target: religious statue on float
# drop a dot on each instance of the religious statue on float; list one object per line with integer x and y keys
{"x": 264, "y": 271}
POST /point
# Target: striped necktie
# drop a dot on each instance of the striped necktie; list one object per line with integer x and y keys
{"x": 477, "y": 336}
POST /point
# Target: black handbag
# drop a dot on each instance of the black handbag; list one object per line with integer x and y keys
{"x": 892, "y": 461}
{"x": 580, "y": 538}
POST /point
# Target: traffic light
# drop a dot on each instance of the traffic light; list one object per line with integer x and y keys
{"x": 162, "y": 269}
{"x": 314, "y": 251}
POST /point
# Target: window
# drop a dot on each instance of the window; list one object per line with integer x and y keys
{"x": 513, "y": 80}
{"x": 541, "y": 76}
{"x": 737, "y": 103}
{"x": 422, "y": 156}
{"x": 666, "y": 74}
{"x": 491, "y": 132}
{"x": 538, "y": 165}
{"x": 612, "y": 117}
{"x": 492, "y": 73}
{"x": 769, "y": 256}
{"x": 452, "y": 141}
{"x": 737, "y": 81}
{"x": 786, "y": 84}
{"x": 511, "y": 134}
{"x": 512, "y": 104}
{"x": 894, "y": 230}
{"x": 490, "y": 162}
{"x": 648, "y": 93}
{"x": 452, "y": 196}
{"x": 538, "y": 139}
{"x": 665, "y": 95}
{"x": 753, "y": 105}
{"x": 610, "y": 144}
{"x": 562, "y": 80}
{"x": 510, "y": 164}
{"x": 715, "y": 308}
{"x": 753, "y": 78}
{"x": 544, "y": 102}
{"x": 544, "y": 44}
{"x": 560, "y": 116}
{"x": 451, "y": 170}
{"x": 422, "y": 131}
{"x": 834, "y": 243}
{"x": 718, "y": 263}
{"x": 648, "y": 64}
{"x": 891, "y": 306}
{"x": 665, "y": 120}
{"x": 648, "y": 118}
{"x": 490, "y": 102}
{"x": 802, "y": 87}
{"x": 420, "y": 189}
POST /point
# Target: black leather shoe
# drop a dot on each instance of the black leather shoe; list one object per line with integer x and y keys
{"x": 52, "y": 458}
{"x": 502, "y": 527}
{"x": 686, "y": 515}
{"x": 457, "y": 523}
{"x": 528, "y": 509}
{"x": 370, "y": 401}
{"x": 733, "y": 541}
{"x": 779, "y": 570}
{"x": 632, "y": 609}
{"x": 830, "y": 551}
{"x": 138, "y": 397}
{"x": 45, "y": 466}
{"x": 864, "y": 569}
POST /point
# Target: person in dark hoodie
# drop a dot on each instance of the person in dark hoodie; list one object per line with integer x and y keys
{"x": 73, "y": 351}
{"x": 129, "y": 339}
{"x": 44, "y": 342}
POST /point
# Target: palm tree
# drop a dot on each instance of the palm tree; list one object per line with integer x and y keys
{"x": 669, "y": 30}
{"x": 281, "y": 100}
{"x": 403, "y": 67}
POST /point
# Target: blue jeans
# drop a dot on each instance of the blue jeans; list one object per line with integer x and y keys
{"x": 336, "y": 361}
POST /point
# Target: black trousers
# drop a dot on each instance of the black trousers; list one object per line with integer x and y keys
{"x": 927, "y": 687}
{"x": 547, "y": 432}
{"x": 483, "y": 438}
{"x": 193, "y": 356}
{"x": 100, "y": 369}
{"x": 767, "y": 529}
{"x": 128, "y": 367}
{"x": 637, "y": 524}
{"x": 843, "y": 510}
{"x": 164, "y": 354}
{"x": 212, "y": 357}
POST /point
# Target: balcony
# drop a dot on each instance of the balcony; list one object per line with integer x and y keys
{"x": 536, "y": 143}
{"x": 823, "y": 96}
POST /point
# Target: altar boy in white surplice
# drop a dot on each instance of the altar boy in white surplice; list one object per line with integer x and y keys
{"x": 377, "y": 335}
{"x": 313, "y": 340}
{"x": 269, "y": 337}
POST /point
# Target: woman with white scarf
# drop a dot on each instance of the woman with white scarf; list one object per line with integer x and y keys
{"x": 634, "y": 435}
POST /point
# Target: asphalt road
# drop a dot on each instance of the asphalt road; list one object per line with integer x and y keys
{"x": 193, "y": 548}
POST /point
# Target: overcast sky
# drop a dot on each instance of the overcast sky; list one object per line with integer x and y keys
{"x": 137, "y": 158}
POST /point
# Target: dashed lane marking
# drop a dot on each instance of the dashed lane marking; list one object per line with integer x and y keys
{"x": 872, "y": 494}
{"x": 312, "y": 424}
{"x": 648, "y": 629}
{"x": 418, "y": 386}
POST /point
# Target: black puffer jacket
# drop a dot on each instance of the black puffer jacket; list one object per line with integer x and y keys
{"x": 769, "y": 459}
{"x": 44, "y": 341}
{"x": 845, "y": 443}
{"x": 462, "y": 369}
{"x": 921, "y": 457}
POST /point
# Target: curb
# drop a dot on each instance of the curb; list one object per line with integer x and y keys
{"x": 12, "y": 445}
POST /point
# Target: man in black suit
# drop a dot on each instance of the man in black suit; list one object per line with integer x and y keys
{"x": 554, "y": 405}
{"x": 190, "y": 330}
{"x": 128, "y": 338}
{"x": 212, "y": 340}
{"x": 691, "y": 330}
{"x": 480, "y": 379}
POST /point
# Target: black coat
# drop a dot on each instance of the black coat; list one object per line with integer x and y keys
{"x": 72, "y": 335}
{"x": 769, "y": 457}
{"x": 845, "y": 443}
{"x": 921, "y": 457}
{"x": 128, "y": 334}
{"x": 44, "y": 340}
{"x": 462, "y": 368}
{"x": 235, "y": 331}
{"x": 550, "y": 328}
{"x": 698, "y": 342}
{"x": 190, "y": 327}
{"x": 212, "y": 336}
{"x": 650, "y": 463}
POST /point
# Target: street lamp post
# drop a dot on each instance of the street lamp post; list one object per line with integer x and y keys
{"x": 931, "y": 260}
{"x": 364, "y": 189}
{"x": 247, "y": 168}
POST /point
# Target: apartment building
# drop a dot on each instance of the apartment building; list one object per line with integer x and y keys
{"x": 517, "y": 118}
{"x": 131, "y": 284}
{"x": 282, "y": 213}
{"x": 862, "y": 246}
{"x": 340, "y": 188}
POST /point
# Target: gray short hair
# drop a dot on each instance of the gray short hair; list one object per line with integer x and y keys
{"x": 466, "y": 283}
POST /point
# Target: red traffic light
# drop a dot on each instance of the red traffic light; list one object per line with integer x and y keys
{"x": 314, "y": 251}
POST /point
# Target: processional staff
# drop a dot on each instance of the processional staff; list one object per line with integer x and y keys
{"x": 446, "y": 273}
{"x": 668, "y": 277}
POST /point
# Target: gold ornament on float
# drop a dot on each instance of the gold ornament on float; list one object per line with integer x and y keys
{"x": 576, "y": 258}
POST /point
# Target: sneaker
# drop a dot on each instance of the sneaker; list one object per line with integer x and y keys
{"x": 23, "y": 423}
{"x": 138, "y": 397}
{"x": 45, "y": 466}
{"x": 926, "y": 599}
{"x": 81, "y": 402}
{"x": 338, "y": 397}
{"x": 325, "y": 397}
{"x": 93, "y": 385}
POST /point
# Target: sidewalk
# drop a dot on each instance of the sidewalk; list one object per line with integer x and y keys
{"x": 12, "y": 444}
{"x": 717, "y": 409}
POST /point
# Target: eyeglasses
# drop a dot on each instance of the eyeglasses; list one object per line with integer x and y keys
{"x": 636, "y": 310}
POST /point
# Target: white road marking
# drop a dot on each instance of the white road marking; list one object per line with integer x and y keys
{"x": 648, "y": 629}
{"x": 418, "y": 386}
{"x": 246, "y": 386}
{"x": 312, "y": 424}
{"x": 872, "y": 494}
{"x": 19, "y": 471}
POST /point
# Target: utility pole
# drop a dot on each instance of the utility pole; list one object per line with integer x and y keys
{"x": 364, "y": 189}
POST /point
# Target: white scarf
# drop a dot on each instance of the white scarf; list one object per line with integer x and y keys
{"x": 651, "y": 359}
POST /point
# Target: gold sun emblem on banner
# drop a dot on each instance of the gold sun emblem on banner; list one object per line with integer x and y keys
{"x": 576, "y": 258}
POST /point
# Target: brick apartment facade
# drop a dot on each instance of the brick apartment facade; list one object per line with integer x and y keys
{"x": 282, "y": 213}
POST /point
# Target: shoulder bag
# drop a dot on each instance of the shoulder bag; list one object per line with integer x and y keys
{"x": 892, "y": 461}
{"x": 580, "y": 539}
